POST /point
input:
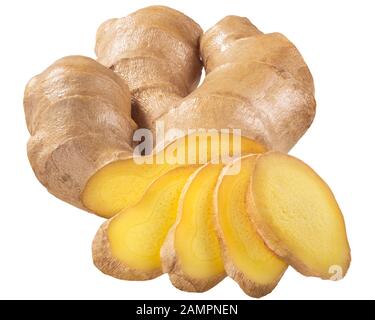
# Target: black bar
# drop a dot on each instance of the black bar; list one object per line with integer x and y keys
{"x": 178, "y": 309}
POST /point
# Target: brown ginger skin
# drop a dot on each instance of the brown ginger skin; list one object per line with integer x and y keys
{"x": 156, "y": 50}
{"x": 78, "y": 115}
{"x": 181, "y": 281}
{"x": 78, "y": 111}
{"x": 256, "y": 82}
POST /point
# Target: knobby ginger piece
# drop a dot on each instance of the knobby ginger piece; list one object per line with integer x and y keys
{"x": 156, "y": 51}
{"x": 78, "y": 115}
{"x": 258, "y": 83}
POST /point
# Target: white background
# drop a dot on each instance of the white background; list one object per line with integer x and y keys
{"x": 45, "y": 244}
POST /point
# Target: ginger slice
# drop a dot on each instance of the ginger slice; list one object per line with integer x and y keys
{"x": 128, "y": 245}
{"x": 191, "y": 252}
{"x": 298, "y": 217}
{"x": 247, "y": 259}
{"x": 121, "y": 184}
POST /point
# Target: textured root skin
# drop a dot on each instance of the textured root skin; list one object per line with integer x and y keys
{"x": 158, "y": 76}
{"x": 171, "y": 263}
{"x": 108, "y": 264}
{"x": 70, "y": 110}
{"x": 279, "y": 248}
{"x": 251, "y": 288}
{"x": 243, "y": 40}
{"x": 222, "y": 35}
{"x": 258, "y": 69}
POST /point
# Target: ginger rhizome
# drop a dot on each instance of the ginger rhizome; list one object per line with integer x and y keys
{"x": 79, "y": 117}
{"x": 83, "y": 155}
{"x": 156, "y": 50}
{"x": 248, "y": 76}
{"x": 198, "y": 205}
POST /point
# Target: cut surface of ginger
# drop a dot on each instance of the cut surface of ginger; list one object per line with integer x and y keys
{"x": 246, "y": 258}
{"x": 297, "y": 215}
{"x": 136, "y": 234}
{"x": 191, "y": 254}
{"x": 121, "y": 184}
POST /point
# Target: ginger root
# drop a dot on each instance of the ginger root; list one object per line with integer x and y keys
{"x": 156, "y": 50}
{"x": 191, "y": 253}
{"x": 78, "y": 115}
{"x": 255, "y": 82}
{"x": 184, "y": 214}
{"x": 246, "y": 258}
{"x": 258, "y": 69}
{"x": 298, "y": 217}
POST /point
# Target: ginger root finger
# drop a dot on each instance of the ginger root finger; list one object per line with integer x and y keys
{"x": 257, "y": 83}
{"x": 246, "y": 258}
{"x": 191, "y": 253}
{"x": 298, "y": 217}
{"x": 156, "y": 50}
{"x": 245, "y": 42}
{"x": 128, "y": 245}
{"x": 78, "y": 115}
